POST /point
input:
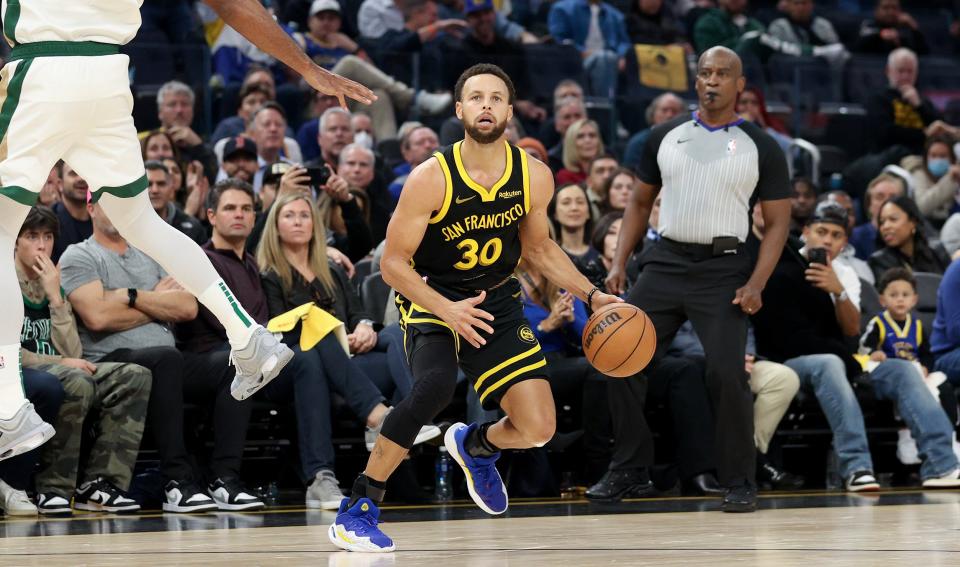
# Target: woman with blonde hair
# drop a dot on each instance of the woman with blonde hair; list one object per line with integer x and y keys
{"x": 296, "y": 270}
{"x": 581, "y": 144}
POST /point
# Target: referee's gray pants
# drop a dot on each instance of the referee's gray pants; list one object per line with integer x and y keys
{"x": 680, "y": 282}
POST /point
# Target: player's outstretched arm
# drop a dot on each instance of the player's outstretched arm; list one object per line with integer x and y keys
{"x": 255, "y": 23}
{"x": 423, "y": 195}
{"x": 545, "y": 254}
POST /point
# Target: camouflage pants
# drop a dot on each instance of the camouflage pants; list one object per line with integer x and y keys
{"x": 119, "y": 393}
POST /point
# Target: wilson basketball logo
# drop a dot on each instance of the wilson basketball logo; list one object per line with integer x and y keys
{"x": 598, "y": 329}
{"x": 619, "y": 340}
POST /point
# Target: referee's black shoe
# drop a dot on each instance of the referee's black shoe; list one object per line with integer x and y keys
{"x": 740, "y": 498}
{"x": 616, "y": 485}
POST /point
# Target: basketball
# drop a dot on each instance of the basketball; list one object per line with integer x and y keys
{"x": 619, "y": 340}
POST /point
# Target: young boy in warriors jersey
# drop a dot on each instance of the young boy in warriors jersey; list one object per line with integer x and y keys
{"x": 64, "y": 94}
{"x": 464, "y": 221}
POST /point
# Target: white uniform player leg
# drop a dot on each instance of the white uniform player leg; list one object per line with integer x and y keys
{"x": 108, "y": 157}
{"x": 31, "y": 137}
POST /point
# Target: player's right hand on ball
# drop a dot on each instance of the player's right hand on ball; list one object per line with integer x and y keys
{"x": 600, "y": 299}
{"x": 464, "y": 317}
{"x": 616, "y": 281}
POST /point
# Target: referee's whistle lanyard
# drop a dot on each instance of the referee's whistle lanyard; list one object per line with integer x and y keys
{"x": 697, "y": 121}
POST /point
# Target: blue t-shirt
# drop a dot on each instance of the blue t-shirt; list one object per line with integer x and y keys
{"x": 560, "y": 339}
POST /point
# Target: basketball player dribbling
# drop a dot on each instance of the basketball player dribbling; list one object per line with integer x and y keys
{"x": 464, "y": 220}
{"x": 65, "y": 93}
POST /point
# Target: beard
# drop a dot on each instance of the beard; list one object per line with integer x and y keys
{"x": 485, "y": 137}
{"x": 108, "y": 229}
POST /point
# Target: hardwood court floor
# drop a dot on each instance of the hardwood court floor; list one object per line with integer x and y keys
{"x": 903, "y": 528}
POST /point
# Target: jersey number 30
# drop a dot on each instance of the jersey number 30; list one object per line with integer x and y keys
{"x": 474, "y": 254}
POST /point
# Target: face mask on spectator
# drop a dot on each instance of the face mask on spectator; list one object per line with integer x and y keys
{"x": 938, "y": 167}
{"x": 363, "y": 139}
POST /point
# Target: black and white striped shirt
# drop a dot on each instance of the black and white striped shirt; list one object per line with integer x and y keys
{"x": 709, "y": 176}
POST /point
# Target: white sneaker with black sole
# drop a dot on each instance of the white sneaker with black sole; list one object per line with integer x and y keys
{"x": 230, "y": 494}
{"x": 426, "y": 433}
{"x": 101, "y": 495}
{"x": 50, "y": 504}
{"x": 23, "y": 432}
{"x": 186, "y": 497}
{"x": 949, "y": 480}
{"x": 862, "y": 481}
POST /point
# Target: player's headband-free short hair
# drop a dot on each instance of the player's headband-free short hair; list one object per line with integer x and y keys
{"x": 485, "y": 69}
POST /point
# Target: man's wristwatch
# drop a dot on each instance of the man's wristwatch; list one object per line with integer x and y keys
{"x": 841, "y": 297}
{"x": 131, "y": 296}
{"x": 365, "y": 322}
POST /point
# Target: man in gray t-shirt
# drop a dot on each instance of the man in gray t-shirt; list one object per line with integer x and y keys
{"x": 89, "y": 262}
{"x": 125, "y": 302}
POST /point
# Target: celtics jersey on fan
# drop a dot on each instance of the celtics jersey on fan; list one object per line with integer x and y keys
{"x": 473, "y": 241}
{"x": 104, "y": 21}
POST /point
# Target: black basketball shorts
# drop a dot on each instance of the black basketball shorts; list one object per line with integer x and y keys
{"x": 511, "y": 355}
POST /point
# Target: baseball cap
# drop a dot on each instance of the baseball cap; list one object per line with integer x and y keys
{"x": 324, "y": 6}
{"x": 274, "y": 172}
{"x": 239, "y": 144}
{"x": 829, "y": 212}
{"x": 473, "y": 6}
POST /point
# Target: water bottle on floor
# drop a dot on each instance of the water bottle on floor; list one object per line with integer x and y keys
{"x": 443, "y": 492}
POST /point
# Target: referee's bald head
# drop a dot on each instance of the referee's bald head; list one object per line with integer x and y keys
{"x": 722, "y": 55}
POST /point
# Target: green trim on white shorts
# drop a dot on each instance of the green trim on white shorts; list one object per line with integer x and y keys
{"x": 62, "y": 49}
{"x": 131, "y": 189}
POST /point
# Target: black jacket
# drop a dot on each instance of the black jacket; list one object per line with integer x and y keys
{"x": 344, "y": 303}
{"x": 934, "y": 260}
{"x": 798, "y": 319}
{"x": 890, "y": 127}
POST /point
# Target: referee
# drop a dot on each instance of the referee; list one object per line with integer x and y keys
{"x": 708, "y": 168}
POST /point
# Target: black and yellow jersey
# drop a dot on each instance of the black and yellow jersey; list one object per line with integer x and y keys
{"x": 473, "y": 241}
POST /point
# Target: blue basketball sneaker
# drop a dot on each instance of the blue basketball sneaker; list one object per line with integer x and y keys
{"x": 483, "y": 480}
{"x": 355, "y": 529}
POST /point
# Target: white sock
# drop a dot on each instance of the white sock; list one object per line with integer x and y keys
{"x": 136, "y": 220}
{"x": 238, "y": 323}
{"x": 11, "y": 382}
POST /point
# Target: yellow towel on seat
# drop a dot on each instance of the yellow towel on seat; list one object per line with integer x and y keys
{"x": 662, "y": 66}
{"x": 317, "y": 324}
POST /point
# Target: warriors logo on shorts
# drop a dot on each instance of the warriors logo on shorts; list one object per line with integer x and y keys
{"x": 526, "y": 335}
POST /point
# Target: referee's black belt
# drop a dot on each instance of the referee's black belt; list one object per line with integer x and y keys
{"x": 697, "y": 252}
